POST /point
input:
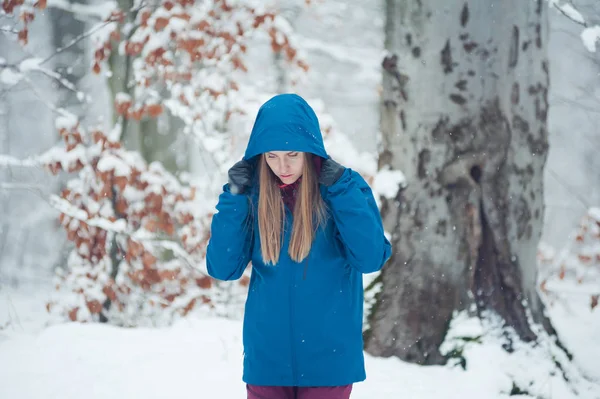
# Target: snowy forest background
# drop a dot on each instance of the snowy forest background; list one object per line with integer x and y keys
{"x": 57, "y": 114}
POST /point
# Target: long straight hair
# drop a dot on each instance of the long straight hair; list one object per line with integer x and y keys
{"x": 309, "y": 213}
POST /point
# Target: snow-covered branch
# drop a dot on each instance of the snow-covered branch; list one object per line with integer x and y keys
{"x": 7, "y": 160}
{"x": 100, "y": 11}
{"x": 65, "y": 207}
{"x": 590, "y": 35}
{"x": 34, "y": 65}
{"x": 8, "y": 30}
{"x": 569, "y": 11}
{"x": 11, "y": 74}
{"x": 120, "y": 227}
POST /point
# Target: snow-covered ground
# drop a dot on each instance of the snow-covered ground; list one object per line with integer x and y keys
{"x": 202, "y": 357}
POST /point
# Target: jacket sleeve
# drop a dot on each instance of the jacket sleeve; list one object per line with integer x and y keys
{"x": 230, "y": 246}
{"x": 358, "y": 222}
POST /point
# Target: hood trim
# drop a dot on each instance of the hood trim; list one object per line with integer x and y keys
{"x": 286, "y": 122}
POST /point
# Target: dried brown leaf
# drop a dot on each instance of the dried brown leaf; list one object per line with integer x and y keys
{"x": 73, "y": 314}
{"x": 189, "y": 306}
{"x": 204, "y": 282}
{"x": 94, "y": 306}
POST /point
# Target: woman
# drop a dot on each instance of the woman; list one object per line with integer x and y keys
{"x": 311, "y": 228}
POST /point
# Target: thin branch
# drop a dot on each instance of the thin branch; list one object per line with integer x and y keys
{"x": 8, "y": 30}
{"x": 569, "y": 11}
{"x": 47, "y": 103}
{"x": 12, "y": 310}
{"x": 100, "y": 11}
{"x": 84, "y": 35}
{"x": 51, "y": 74}
{"x": 570, "y": 189}
{"x": 21, "y": 186}
{"x": 581, "y": 106}
{"x": 39, "y": 191}
{"x": 59, "y": 78}
{"x": 17, "y": 67}
{"x": 76, "y": 40}
{"x": 7, "y": 160}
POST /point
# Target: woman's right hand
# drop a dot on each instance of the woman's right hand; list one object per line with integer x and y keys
{"x": 240, "y": 176}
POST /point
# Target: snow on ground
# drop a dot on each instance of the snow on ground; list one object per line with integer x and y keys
{"x": 201, "y": 358}
{"x": 577, "y": 324}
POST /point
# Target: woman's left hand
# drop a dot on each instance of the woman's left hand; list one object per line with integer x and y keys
{"x": 331, "y": 171}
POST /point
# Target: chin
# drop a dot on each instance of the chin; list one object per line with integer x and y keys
{"x": 289, "y": 180}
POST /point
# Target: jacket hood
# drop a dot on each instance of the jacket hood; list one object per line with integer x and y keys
{"x": 286, "y": 123}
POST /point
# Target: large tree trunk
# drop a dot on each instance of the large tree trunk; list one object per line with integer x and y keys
{"x": 145, "y": 136}
{"x": 159, "y": 142}
{"x": 464, "y": 117}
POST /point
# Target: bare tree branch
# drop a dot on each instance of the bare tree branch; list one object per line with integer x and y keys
{"x": 569, "y": 11}
{"x": 47, "y": 103}
{"x": 76, "y": 40}
{"x": 20, "y": 186}
{"x": 570, "y": 189}
{"x": 579, "y": 105}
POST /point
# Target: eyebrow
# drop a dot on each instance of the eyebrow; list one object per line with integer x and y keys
{"x": 288, "y": 153}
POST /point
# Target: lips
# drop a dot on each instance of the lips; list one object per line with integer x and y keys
{"x": 285, "y": 176}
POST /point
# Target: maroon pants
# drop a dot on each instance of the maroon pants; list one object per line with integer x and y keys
{"x": 262, "y": 392}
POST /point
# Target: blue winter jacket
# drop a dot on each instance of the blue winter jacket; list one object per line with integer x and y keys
{"x": 303, "y": 321}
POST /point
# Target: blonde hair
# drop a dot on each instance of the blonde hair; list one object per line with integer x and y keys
{"x": 309, "y": 213}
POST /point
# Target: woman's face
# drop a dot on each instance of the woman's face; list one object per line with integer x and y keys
{"x": 287, "y": 165}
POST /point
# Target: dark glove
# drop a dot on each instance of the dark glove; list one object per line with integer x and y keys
{"x": 240, "y": 176}
{"x": 330, "y": 172}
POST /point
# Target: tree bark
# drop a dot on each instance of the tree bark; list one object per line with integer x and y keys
{"x": 145, "y": 136}
{"x": 464, "y": 118}
{"x": 158, "y": 142}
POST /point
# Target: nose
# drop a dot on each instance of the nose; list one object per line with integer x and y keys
{"x": 284, "y": 166}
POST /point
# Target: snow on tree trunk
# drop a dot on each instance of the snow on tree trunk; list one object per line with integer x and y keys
{"x": 464, "y": 117}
